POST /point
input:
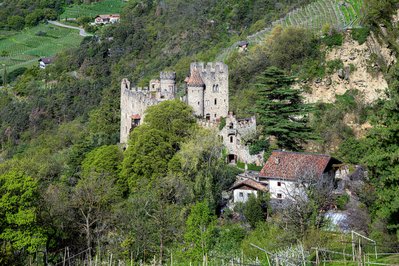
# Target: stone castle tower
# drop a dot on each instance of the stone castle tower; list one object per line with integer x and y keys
{"x": 207, "y": 92}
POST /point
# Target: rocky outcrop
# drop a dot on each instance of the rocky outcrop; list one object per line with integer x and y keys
{"x": 358, "y": 61}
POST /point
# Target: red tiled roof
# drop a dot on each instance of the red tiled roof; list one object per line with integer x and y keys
{"x": 136, "y": 116}
{"x": 195, "y": 79}
{"x": 290, "y": 165}
{"x": 250, "y": 183}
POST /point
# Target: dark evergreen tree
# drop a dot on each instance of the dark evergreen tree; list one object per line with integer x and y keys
{"x": 281, "y": 111}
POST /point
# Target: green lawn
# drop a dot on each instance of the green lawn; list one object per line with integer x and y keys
{"x": 24, "y": 48}
{"x": 93, "y": 9}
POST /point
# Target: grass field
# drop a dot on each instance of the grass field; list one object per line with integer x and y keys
{"x": 93, "y": 9}
{"x": 24, "y": 48}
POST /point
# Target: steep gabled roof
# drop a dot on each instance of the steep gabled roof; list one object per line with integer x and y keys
{"x": 250, "y": 183}
{"x": 291, "y": 165}
{"x": 195, "y": 79}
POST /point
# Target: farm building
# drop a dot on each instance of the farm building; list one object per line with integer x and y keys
{"x": 242, "y": 190}
{"x": 283, "y": 170}
{"x": 107, "y": 19}
{"x": 45, "y": 61}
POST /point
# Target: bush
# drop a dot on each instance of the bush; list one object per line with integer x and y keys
{"x": 290, "y": 46}
{"x": 341, "y": 201}
{"x": 258, "y": 146}
{"x": 84, "y": 20}
{"x": 41, "y": 33}
{"x": 251, "y": 167}
{"x": 360, "y": 35}
{"x": 334, "y": 65}
{"x": 16, "y": 22}
{"x": 335, "y": 39}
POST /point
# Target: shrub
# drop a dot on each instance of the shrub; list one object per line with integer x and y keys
{"x": 41, "y": 33}
{"x": 335, "y": 39}
{"x": 341, "y": 201}
{"x": 16, "y": 22}
{"x": 334, "y": 65}
{"x": 258, "y": 146}
{"x": 360, "y": 35}
{"x": 252, "y": 167}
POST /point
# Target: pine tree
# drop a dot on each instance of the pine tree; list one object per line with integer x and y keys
{"x": 281, "y": 111}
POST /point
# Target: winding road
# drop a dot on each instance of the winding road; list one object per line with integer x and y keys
{"x": 82, "y": 32}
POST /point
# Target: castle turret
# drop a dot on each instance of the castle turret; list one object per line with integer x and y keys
{"x": 195, "y": 92}
{"x": 167, "y": 85}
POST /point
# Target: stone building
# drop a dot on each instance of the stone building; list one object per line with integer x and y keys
{"x": 207, "y": 92}
{"x": 234, "y": 135}
{"x": 134, "y": 101}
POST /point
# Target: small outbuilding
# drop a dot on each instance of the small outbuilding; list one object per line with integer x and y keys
{"x": 242, "y": 190}
{"x": 45, "y": 61}
{"x": 107, "y": 19}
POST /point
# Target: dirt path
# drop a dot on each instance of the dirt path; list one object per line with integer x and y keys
{"x": 82, "y": 32}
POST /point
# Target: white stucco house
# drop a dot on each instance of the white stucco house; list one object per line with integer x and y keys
{"x": 243, "y": 189}
{"x": 283, "y": 170}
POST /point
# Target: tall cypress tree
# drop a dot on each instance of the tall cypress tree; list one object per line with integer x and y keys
{"x": 281, "y": 110}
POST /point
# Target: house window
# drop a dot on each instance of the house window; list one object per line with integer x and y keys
{"x": 215, "y": 101}
{"x": 241, "y": 195}
{"x": 279, "y": 195}
{"x": 279, "y": 184}
{"x": 231, "y": 139}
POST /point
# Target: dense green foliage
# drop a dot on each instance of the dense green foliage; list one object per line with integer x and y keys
{"x": 65, "y": 183}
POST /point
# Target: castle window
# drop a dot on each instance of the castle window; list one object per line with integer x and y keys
{"x": 215, "y": 115}
{"x": 279, "y": 184}
{"x": 231, "y": 139}
{"x": 279, "y": 195}
{"x": 207, "y": 103}
{"x": 216, "y": 101}
{"x": 198, "y": 103}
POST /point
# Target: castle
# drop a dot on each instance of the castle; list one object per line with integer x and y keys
{"x": 207, "y": 92}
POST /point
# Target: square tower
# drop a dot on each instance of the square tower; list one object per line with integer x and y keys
{"x": 214, "y": 98}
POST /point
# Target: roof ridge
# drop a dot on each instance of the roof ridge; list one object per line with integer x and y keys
{"x": 305, "y": 153}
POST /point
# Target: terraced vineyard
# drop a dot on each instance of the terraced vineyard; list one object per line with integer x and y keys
{"x": 339, "y": 14}
{"x": 93, "y": 9}
{"x": 24, "y": 48}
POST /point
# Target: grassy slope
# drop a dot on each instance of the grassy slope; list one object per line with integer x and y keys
{"x": 94, "y": 9}
{"x": 25, "y": 48}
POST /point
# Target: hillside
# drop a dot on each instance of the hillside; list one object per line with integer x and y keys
{"x": 71, "y": 193}
{"x": 340, "y": 15}
{"x": 24, "y": 48}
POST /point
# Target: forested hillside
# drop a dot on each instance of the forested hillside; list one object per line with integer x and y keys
{"x": 67, "y": 187}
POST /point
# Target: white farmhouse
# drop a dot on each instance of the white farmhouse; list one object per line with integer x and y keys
{"x": 283, "y": 170}
{"x": 242, "y": 190}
